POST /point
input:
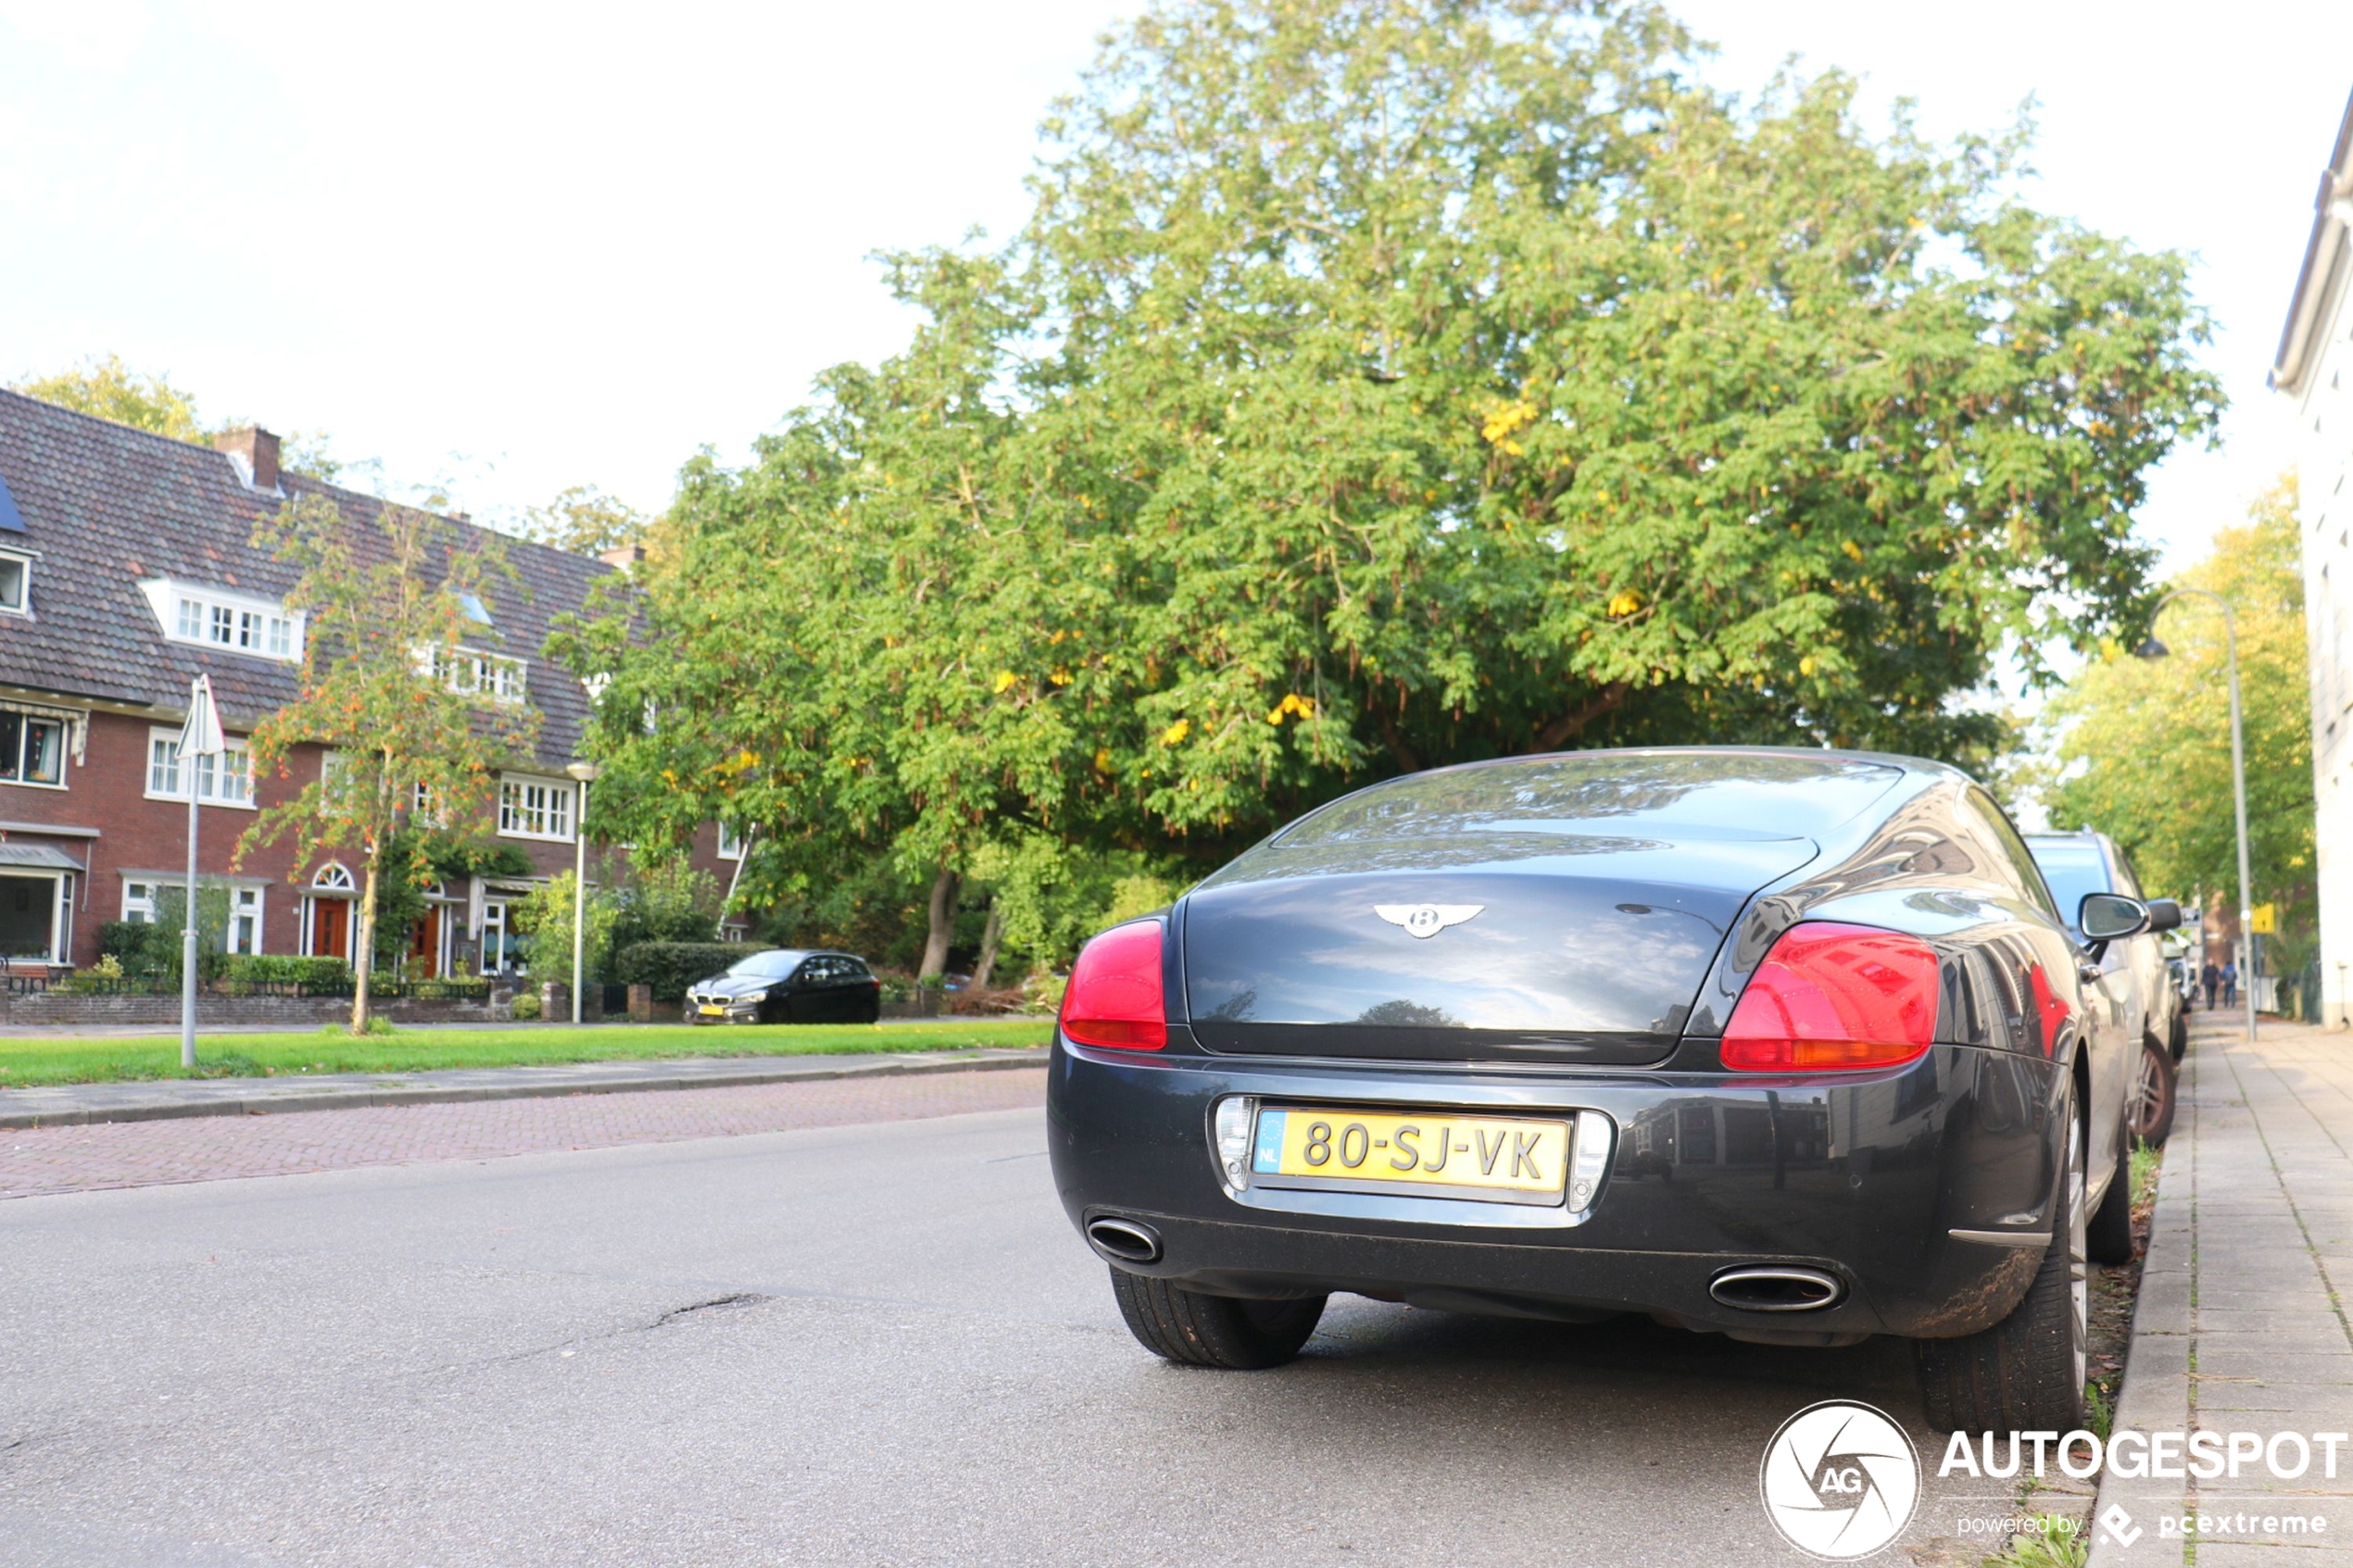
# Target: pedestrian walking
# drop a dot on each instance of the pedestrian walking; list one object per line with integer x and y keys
{"x": 2230, "y": 984}
{"x": 2213, "y": 978}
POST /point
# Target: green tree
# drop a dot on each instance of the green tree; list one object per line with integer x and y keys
{"x": 587, "y": 521}
{"x": 1436, "y": 380}
{"x": 840, "y": 647}
{"x": 2142, "y": 746}
{"x": 109, "y": 389}
{"x": 389, "y": 692}
{"x": 545, "y": 917}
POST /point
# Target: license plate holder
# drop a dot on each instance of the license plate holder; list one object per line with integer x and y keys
{"x": 1412, "y": 1154}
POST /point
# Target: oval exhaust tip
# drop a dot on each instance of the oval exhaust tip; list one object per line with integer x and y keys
{"x": 1777, "y": 1289}
{"x": 1123, "y": 1240}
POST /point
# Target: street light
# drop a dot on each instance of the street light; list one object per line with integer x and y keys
{"x": 586, "y": 773}
{"x": 2155, "y": 649}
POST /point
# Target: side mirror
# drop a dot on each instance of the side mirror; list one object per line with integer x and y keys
{"x": 2164, "y": 915}
{"x": 2111, "y": 917}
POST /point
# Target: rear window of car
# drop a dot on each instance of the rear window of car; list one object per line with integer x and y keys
{"x": 1734, "y": 795}
{"x": 2072, "y": 870}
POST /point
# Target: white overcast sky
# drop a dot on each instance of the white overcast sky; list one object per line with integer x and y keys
{"x": 514, "y": 249}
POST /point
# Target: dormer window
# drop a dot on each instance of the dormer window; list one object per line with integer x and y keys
{"x": 475, "y": 672}
{"x": 224, "y": 619}
{"x": 16, "y": 583}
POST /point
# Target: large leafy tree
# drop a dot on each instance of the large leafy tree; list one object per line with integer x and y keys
{"x": 835, "y": 648}
{"x": 1439, "y": 380}
{"x": 2144, "y": 746}
{"x": 409, "y": 735}
{"x": 1382, "y": 384}
{"x": 112, "y": 390}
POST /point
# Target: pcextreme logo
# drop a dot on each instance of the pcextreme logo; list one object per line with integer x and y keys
{"x": 1839, "y": 1480}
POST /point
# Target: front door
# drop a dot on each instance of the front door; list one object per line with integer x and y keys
{"x": 330, "y": 928}
{"x": 424, "y": 944}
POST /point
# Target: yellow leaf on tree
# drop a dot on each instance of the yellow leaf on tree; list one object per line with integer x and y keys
{"x": 1806, "y": 666}
{"x": 1006, "y": 679}
{"x": 1177, "y": 731}
{"x": 1854, "y": 551}
{"x": 1102, "y": 761}
{"x": 1624, "y": 602}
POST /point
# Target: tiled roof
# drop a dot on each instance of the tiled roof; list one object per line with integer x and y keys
{"x": 105, "y": 505}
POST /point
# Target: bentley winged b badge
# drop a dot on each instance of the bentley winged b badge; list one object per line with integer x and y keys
{"x": 1425, "y": 919}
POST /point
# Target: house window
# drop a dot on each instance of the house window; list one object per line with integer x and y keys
{"x": 244, "y": 920}
{"x": 535, "y": 809}
{"x": 139, "y": 903}
{"x": 224, "y": 618}
{"x": 15, "y": 574}
{"x": 33, "y": 750}
{"x": 469, "y": 672}
{"x": 731, "y": 843}
{"x": 226, "y": 780}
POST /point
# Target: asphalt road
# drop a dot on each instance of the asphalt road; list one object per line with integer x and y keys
{"x": 875, "y": 1344}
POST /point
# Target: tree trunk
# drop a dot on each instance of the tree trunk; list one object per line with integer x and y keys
{"x": 991, "y": 936}
{"x": 944, "y": 888}
{"x": 363, "y": 952}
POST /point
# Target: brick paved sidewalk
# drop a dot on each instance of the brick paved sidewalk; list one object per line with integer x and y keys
{"x": 2240, "y": 1327}
{"x": 121, "y": 1154}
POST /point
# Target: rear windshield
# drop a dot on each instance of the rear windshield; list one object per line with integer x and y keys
{"x": 2073, "y": 869}
{"x": 1734, "y": 795}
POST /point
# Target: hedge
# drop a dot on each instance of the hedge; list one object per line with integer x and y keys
{"x": 670, "y": 967}
{"x": 285, "y": 969}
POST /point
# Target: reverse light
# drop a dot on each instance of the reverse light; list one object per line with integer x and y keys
{"x": 1113, "y": 999}
{"x": 1832, "y": 998}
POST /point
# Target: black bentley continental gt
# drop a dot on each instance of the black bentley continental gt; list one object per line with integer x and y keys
{"x": 1792, "y": 1046}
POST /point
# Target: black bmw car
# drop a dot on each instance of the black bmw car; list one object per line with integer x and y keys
{"x": 788, "y": 985}
{"x": 1792, "y": 1046}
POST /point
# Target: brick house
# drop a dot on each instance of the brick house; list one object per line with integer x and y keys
{"x": 126, "y": 568}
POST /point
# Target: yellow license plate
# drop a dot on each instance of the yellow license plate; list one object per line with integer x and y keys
{"x": 713, "y": 1011}
{"x": 1494, "y": 1159}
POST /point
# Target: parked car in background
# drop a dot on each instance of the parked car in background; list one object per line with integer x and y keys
{"x": 788, "y": 985}
{"x": 1790, "y": 1045}
{"x": 2134, "y": 978}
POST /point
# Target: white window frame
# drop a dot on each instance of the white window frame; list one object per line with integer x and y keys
{"x": 731, "y": 843}
{"x": 224, "y": 621}
{"x": 24, "y": 730}
{"x": 540, "y": 809}
{"x": 245, "y": 905}
{"x": 502, "y": 677}
{"x": 139, "y": 900}
{"x": 170, "y": 781}
{"x": 23, "y": 563}
{"x": 61, "y": 908}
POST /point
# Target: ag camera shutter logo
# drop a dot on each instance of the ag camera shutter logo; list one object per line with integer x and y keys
{"x": 1839, "y": 1480}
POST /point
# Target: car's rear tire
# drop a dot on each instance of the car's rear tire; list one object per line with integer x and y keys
{"x": 2108, "y": 1236}
{"x": 2148, "y": 1101}
{"x": 1191, "y": 1329}
{"x": 2026, "y": 1373}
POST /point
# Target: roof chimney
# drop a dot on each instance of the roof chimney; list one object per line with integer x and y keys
{"x": 254, "y": 451}
{"x": 625, "y": 557}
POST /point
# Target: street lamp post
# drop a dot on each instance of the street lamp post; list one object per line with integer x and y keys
{"x": 2155, "y": 649}
{"x": 586, "y": 773}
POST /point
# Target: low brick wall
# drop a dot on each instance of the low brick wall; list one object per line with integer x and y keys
{"x": 62, "y": 1009}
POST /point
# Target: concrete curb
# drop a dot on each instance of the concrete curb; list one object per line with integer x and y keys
{"x": 221, "y": 1097}
{"x": 2156, "y": 1363}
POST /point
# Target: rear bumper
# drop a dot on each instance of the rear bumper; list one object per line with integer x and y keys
{"x": 1864, "y": 1178}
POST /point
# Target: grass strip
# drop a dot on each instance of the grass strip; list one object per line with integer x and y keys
{"x": 25, "y": 1062}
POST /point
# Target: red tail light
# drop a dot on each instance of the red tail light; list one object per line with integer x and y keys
{"x": 1833, "y": 997}
{"x": 1113, "y": 998}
